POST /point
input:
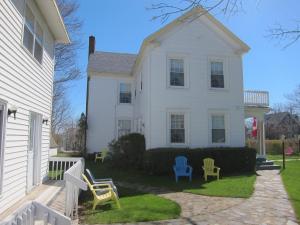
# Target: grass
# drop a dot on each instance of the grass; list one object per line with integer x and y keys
{"x": 228, "y": 186}
{"x": 291, "y": 181}
{"x": 69, "y": 154}
{"x": 53, "y": 174}
{"x": 135, "y": 207}
{"x": 279, "y": 157}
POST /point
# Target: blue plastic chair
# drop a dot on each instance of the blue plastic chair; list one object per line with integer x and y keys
{"x": 181, "y": 168}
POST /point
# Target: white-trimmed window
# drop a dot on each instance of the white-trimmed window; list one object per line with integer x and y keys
{"x": 19, "y": 4}
{"x": 124, "y": 127}
{"x": 33, "y": 35}
{"x": 125, "y": 93}
{"x": 177, "y": 128}
{"x": 218, "y": 131}
{"x": 176, "y": 72}
{"x": 3, "y": 113}
{"x": 216, "y": 74}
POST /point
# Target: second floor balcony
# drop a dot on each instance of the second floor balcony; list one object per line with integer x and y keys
{"x": 256, "y": 98}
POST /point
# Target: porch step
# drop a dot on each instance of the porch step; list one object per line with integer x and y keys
{"x": 263, "y": 164}
{"x": 268, "y": 167}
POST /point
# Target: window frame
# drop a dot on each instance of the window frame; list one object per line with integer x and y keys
{"x": 223, "y": 60}
{"x": 117, "y": 125}
{"x": 3, "y": 105}
{"x": 185, "y": 70}
{"x": 33, "y": 32}
{"x": 119, "y": 93}
{"x": 226, "y": 128}
{"x": 185, "y": 113}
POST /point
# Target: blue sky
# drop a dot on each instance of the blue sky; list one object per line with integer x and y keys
{"x": 121, "y": 26}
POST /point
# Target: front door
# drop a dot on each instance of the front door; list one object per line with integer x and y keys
{"x": 34, "y": 150}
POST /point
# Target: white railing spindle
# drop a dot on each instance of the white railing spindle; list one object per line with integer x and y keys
{"x": 256, "y": 98}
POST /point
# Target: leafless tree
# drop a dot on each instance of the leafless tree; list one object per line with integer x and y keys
{"x": 66, "y": 69}
{"x": 286, "y": 36}
{"x": 294, "y": 100}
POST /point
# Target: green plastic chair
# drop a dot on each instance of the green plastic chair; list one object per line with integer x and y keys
{"x": 210, "y": 169}
{"x": 101, "y": 155}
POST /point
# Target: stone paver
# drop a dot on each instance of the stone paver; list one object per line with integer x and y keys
{"x": 269, "y": 205}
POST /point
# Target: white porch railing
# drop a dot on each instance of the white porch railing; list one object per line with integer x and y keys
{"x": 256, "y": 98}
{"x": 34, "y": 212}
{"x": 69, "y": 169}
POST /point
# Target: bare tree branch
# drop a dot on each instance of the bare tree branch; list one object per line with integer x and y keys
{"x": 285, "y": 36}
{"x": 165, "y": 10}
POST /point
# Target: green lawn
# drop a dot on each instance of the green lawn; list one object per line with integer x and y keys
{"x": 69, "y": 154}
{"x": 228, "y": 186}
{"x": 279, "y": 157}
{"x": 55, "y": 174}
{"x": 135, "y": 207}
{"x": 291, "y": 180}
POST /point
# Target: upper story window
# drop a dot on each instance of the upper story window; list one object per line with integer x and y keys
{"x": 218, "y": 128}
{"x": 216, "y": 74}
{"x": 176, "y": 72}
{"x": 33, "y": 36}
{"x": 19, "y": 4}
{"x": 177, "y": 128}
{"x": 125, "y": 93}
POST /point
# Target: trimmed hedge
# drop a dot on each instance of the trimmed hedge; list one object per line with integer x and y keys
{"x": 128, "y": 151}
{"x": 231, "y": 160}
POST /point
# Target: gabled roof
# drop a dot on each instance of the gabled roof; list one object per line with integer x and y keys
{"x": 51, "y": 13}
{"x": 109, "y": 62}
{"x": 127, "y": 63}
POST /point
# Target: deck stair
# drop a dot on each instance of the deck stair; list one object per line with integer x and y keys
{"x": 263, "y": 164}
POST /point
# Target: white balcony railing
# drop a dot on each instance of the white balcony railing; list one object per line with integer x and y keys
{"x": 36, "y": 213}
{"x": 69, "y": 169}
{"x": 256, "y": 98}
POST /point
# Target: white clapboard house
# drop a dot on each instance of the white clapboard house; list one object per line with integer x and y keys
{"x": 184, "y": 88}
{"x": 29, "y": 30}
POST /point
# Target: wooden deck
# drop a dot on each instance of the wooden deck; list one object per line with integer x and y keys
{"x": 50, "y": 193}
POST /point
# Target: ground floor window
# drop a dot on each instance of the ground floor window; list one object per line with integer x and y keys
{"x": 177, "y": 128}
{"x": 124, "y": 127}
{"x": 218, "y": 128}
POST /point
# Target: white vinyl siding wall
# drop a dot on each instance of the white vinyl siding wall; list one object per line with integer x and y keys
{"x": 27, "y": 85}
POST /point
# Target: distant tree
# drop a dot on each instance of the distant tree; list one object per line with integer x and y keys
{"x": 294, "y": 100}
{"x": 66, "y": 69}
{"x": 80, "y": 133}
{"x": 166, "y": 8}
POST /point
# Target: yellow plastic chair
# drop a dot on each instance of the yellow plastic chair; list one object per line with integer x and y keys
{"x": 101, "y": 155}
{"x": 102, "y": 193}
{"x": 210, "y": 169}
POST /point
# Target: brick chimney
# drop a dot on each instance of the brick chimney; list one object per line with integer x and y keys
{"x": 92, "y": 44}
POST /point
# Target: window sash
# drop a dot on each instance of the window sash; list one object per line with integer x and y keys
{"x": 218, "y": 136}
{"x": 124, "y": 127}
{"x": 217, "y": 74}
{"x": 33, "y": 36}
{"x": 125, "y": 93}
{"x": 176, "y": 72}
{"x": 177, "y": 129}
{"x": 218, "y": 129}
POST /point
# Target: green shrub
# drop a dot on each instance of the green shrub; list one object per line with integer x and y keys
{"x": 231, "y": 160}
{"x": 128, "y": 151}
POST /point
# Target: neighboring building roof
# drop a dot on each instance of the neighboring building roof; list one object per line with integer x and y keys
{"x": 109, "y": 62}
{"x": 277, "y": 118}
{"x": 51, "y": 13}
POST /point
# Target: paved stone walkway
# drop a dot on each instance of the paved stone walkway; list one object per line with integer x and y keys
{"x": 269, "y": 205}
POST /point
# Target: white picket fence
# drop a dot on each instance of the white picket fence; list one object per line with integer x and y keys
{"x": 36, "y": 213}
{"x": 69, "y": 169}
{"x": 256, "y": 98}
